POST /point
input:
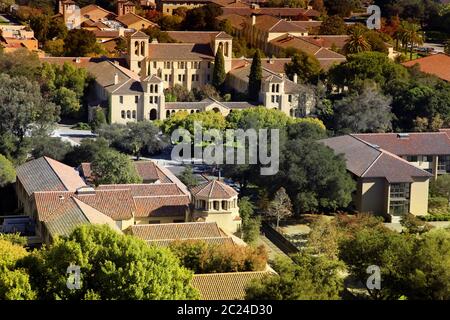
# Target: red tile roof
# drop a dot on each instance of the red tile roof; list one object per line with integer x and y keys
{"x": 214, "y": 189}
{"x": 176, "y": 231}
{"x": 437, "y": 64}
{"x": 416, "y": 143}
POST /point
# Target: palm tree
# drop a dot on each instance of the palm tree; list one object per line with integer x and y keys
{"x": 357, "y": 42}
{"x": 411, "y": 36}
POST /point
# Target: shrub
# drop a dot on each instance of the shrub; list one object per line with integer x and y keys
{"x": 202, "y": 257}
{"x": 82, "y": 126}
{"x": 438, "y": 204}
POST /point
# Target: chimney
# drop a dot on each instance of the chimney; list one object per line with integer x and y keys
{"x": 295, "y": 78}
{"x": 116, "y": 78}
{"x": 253, "y": 20}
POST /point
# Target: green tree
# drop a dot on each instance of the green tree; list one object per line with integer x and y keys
{"x": 308, "y": 277}
{"x": 23, "y": 110}
{"x": 7, "y": 172}
{"x": 54, "y": 47}
{"x": 305, "y": 66}
{"x": 251, "y": 224}
{"x": 112, "y": 167}
{"x": 201, "y": 257}
{"x": 357, "y": 41}
{"x": 280, "y": 207}
{"x": 218, "y": 78}
{"x": 52, "y": 147}
{"x": 254, "y": 81}
{"x": 182, "y": 119}
{"x": 113, "y": 267}
{"x": 21, "y": 62}
{"x": 369, "y": 111}
{"x": 98, "y": 119}
{"x": 333, "y": 25}
{"x": 80, "y": 43}
{"x": 342, "y": 8}
{"x": 440, "y": 187}
{"x": 86, "y": 152}
{"x": 324, "y": 238}
{"x": 188, "y": 177}
{"x": 411, "y": 35}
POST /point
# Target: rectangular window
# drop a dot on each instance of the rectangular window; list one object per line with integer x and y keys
{"x": 411, "y": 158}
{"x": 179, "y": 77}
{"x": 154, "y": 64}
{"x": 273, "y": 99}
{"x": 193, "y": 77}
{"x": 150, "y": 99}
{"x": 156, "y": 99}
{"x": 121, "y": 99}
{"x": 399, "y": 198}
{"x": 166, "y": 77}
{"x": 136, "y": 99}
{"x": 184, "y": 77}
{"x": 290, "y": 98}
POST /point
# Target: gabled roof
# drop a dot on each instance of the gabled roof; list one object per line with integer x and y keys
{"x": 46, "y": 174}
{"x": 236, "y": 21}
{"x": 180, "y": 51}
{"x": 368, "y": 161}
{"x": 214, "y": 189}
{"x": 176, "y": 231}
{"x": 415, "y": 143}
{"x": 94, "y": 12}
{"x": 73, "y": 213}
{"x": 272, "y": 24}
{"x": 225, "y": 286}
{"x": 116, "y": 204}
{"x": 131, "y": 18}
{"x": 436, "y": 64}
{"x": 204, "y": 37}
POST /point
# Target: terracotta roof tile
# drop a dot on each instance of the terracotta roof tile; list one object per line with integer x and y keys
{"x": 46, "y": 174}
{"x": 161, "y": 206}
{"x": 176, "y": 231}
{"x": 225, "y": 286}
{"x": 437, "y": 64}
{"x": 416, "y": 143}
{"x": 212, "y": 241}
{"x": 180, "y": 51}
{"x": 214, "y": 189}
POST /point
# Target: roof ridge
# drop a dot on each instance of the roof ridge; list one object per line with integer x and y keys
{"x": 54, "y": 171}
{"x": 172, "y": 223}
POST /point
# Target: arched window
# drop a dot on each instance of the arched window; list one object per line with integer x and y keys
{"x": 122, "y": 114}
{"x": 156, "y": 88}
{"x": 167, "y": 113}
{"x": 142, "y": 48}
{"x": 273, "y": 88}
{"x": 192, "y": 111}
{"x": 224, "y": 204}
{"x": 134, "y": 114}
{"x": 173, "y": 111}
{"x": 151, "y": 88}
{"x": 128, "y": 114}
{"x": 278, "y": 88}
{"x": 136, "y": 45}
{"x": 153, "y": 114}
{"x": 216, "y": 205}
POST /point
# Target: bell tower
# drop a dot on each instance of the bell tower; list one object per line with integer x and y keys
{"x": 137, "y": 52}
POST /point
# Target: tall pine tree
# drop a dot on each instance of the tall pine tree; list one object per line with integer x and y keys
{"x": 254, "y": 81}
{"x": 219, "y": 70}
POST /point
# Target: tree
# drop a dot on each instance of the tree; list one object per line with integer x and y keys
{"x": 181, "y": 119}
{"x": 23, "y": 111}
{"x": 254, "y": 81}
{"x": 98, "y": 118}
{"x": 357, "y": 41}
{"x": 280, "y": 207}
{"x": 201, "y": 257}
{"x": 251, "y": 224}
{"x": 369, "y": 111}
{"x": 180, "y": 93}
{"x": 333, "y": 25}
{"x": 324, "y": 238}
{"x": 14, "y": 282}
{"x": 202, "y": 18}
{"x": 52, "y": 147}
{"x": 305, "y": 66}
{"x": 21, "y": 62}
{"x": 112, "y": 266}
{"x": 440, "y": 187}
{"x": 80, "y": 43}
{"x": 135, "y": 138}
{"x": 342, "y": 8}
{"x": 390, "y": 251}
{"x": 5, "y": 4}
{"x": 360, "y": 67}
{"x": 112, "y": 167}
{"x": 188, "y": 178}
{"x": 311, "y": 188}
{"x": 411, "y": 35}
{"x": 7, "y": 172}
{"x": 86, "y": 152}
{"x": 308, "y": 277}
{"x": 54, "y": 47}
{"x": 412, "y": 224}
{"x": 218, "y": 78}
